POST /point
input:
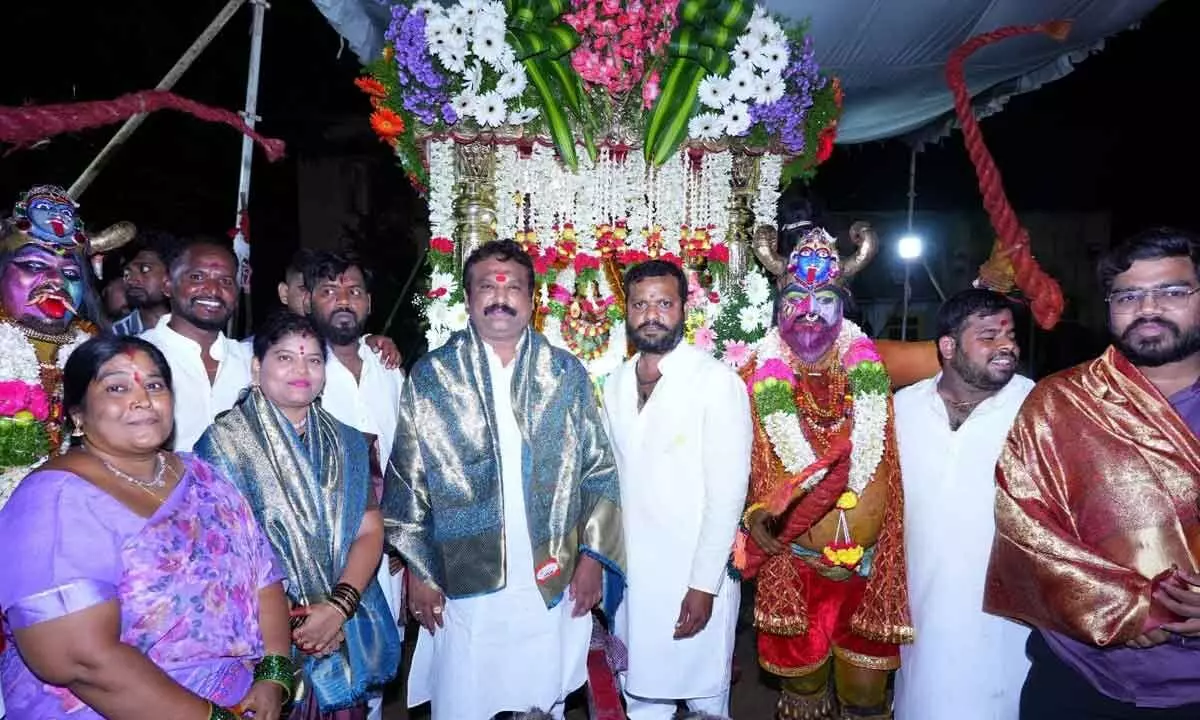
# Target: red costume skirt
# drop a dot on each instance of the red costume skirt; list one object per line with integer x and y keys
{"x": 830, "y": 604}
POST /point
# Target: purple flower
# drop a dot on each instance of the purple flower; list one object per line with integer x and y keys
{"x": 425, "y": 95}
{"x": 786, "y": 118}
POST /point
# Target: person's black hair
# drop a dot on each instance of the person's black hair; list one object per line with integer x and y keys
{"x": 502, "y": 250}
{"x": 163, "y": 244}
{"x": 326, "y": 265}
{"x": 300, "y": 260}
{"x": 278, "y": 325}
{"x": 952, "y": 316}
{"x": 656, "y": 269}
{"x": 87, "y": 359}
{"x": 1153, "y": 244}
{"x": 174, "y": 261}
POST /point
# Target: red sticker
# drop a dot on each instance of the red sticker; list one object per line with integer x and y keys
{"x": 501, "y": 277}
{"x": 547, "y": 570}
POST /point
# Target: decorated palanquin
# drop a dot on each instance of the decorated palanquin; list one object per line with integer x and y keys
{"x": 43, "y": 284}
{"x": 600, "y": 134}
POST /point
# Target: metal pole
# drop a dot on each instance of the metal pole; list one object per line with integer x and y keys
{"x": 907, "y": 293}
{"x": 933, "y": 280}
{"x": 185, "y": 61}
{"x": 241, "y": 244}
{"x": 912, "y": 187}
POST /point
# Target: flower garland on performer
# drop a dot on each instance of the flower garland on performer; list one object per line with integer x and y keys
{"x": 772, "y": 387}
{"x": 30, "y": 413}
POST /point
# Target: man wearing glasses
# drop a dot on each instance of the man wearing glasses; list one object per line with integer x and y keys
{"x": 1097, "y": 522}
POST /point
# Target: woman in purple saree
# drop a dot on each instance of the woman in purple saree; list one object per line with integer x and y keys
{"x": 136, "y": 583}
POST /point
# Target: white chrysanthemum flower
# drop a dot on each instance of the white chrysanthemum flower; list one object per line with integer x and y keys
{"x": 493, "y": 11}
{"x": 489, "y": 110}
{"x": 463, "y": 104}
{"x": 489, "y": 44}
{"x": 766, "y": 313}
{"x": 443, "y": 281}
{"x": 460, "y": 22}
{"x": 511, "y": 84}
{"x": 520, "y": 116}
{"x": 757, "y": 289}
{"x": 705, "y": 126}
{"x": 773, "y": 58}
{"x": 747, "y": 49}
{"x": 736, "y": 119}
{"x": 715, "y": 92}
{"x": 470, "y": 8}
{"x": 438, "y": 314}
{"x": 458, "y": 317}
{"x": 472, "y": 79}
{"x": 770, "y": 89}
{"x": 488, "y": 20}
{"x": 437, "y": 31}
{"x": 743, "y": 83}
{"x": 749, "y": 320}
{"x": 454, "y": 60}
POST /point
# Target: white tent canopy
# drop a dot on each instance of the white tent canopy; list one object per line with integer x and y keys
{"x": 891, "y": 54}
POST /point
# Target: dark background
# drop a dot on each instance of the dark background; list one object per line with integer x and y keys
{"x": 1117, "y": 135}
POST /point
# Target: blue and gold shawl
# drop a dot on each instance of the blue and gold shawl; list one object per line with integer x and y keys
{"x": 309, "y": 495}
{"x": 443, "y": 503}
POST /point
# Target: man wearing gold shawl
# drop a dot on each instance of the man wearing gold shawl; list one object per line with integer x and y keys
{"x": 502, "y": 497}
{"x": 1097, "y": 529}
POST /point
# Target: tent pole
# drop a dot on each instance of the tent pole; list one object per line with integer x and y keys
{"x": 241, "y": 243}
{"x": 185, "y": 61}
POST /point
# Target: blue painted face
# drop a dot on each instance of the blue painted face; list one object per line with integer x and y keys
{"x": 811, "y": 267}
{"x": 50, "y": 218}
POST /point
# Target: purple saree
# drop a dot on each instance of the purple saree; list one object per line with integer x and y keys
{"x": 187, "y": 580}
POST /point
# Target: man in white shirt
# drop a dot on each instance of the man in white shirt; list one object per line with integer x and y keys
{"x": 208, "y": 369}
{"x": 681, "y": 429}
{"x": 502, "y": 496}
{"x": 359, "y": 390}
{"x": 950, "y": 430}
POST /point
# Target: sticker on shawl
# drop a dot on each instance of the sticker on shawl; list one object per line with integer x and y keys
{"x": 547, "y": 570}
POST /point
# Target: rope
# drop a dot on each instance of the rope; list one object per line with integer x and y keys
{"x": 24, "y": 126}
{"x": 1045, "y": 295}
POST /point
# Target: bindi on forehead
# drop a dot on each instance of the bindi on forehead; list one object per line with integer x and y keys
{"x": 501, "y": 277}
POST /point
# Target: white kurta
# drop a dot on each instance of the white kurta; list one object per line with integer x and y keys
{"x": 684, "y": 463}
{"x": 197, "y": 400}
{"x": 964, "y": 663}
{"x": 370, "y": 404}
{"x": 503, "y": 651}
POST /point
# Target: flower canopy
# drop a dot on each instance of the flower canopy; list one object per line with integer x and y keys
{"x": 599, "y": 134}
{"x": 584, "y": 74}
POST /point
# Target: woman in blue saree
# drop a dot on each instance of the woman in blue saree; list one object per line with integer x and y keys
{"x": 307, "y": 479}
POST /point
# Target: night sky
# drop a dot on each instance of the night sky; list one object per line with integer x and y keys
{"x": 1115, "y": 135}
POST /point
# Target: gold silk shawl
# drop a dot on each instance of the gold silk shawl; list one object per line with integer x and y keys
{"x": 442, "y": 501}
{"x": 1096, "y": 497}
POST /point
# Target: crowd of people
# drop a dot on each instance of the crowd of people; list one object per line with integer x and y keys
{"x": 242, "y": 528}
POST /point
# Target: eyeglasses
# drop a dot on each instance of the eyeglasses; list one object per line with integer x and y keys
{"x": 1124, "y": 302}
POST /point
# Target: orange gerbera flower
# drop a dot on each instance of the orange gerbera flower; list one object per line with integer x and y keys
{"x": 371, "y": 86}
{"x": 386, "y": 123}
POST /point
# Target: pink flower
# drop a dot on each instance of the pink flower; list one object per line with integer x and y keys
{"x": 16, "y": 396}
{"x": 39, "y": 403}
{"x": 650, "y": 90}
{"x": 705, "y": 339}
{"x": 560, "y": 294}
{"x": 737, "y": 354}
{"x": 860, "y": 351}
{"x": 773, "y": 369}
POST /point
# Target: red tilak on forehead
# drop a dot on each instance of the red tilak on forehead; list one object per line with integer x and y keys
{"x": 137, "y": 376}
{"x": 501, "y": 277}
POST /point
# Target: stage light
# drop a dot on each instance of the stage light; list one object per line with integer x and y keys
{"x": 909, "y": 247}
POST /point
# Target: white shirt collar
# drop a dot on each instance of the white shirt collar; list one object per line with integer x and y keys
{"x": 216, "y": 352}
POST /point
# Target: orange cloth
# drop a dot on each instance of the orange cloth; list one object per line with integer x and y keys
{"x": 1097, "y": 492}
{"x": 876, "y": 612}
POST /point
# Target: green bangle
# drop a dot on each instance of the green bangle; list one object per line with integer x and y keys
{"x": 279, "y": 670}
{"x": 216, "y": 712}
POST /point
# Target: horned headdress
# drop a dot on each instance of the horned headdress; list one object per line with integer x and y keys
{"x": 814, "y": 261}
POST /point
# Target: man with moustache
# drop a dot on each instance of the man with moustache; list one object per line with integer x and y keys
{"x": 824, "y": 531}
{"x": 145, "y": 279}
{"x": 1097, "y": 527}
{"x": 502, "y": 497}
{"x": 359, "y": 389}
{"x": 680, "y": 426}
{"x": 210, "y": 369}
{"x": 950, "y": 430}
